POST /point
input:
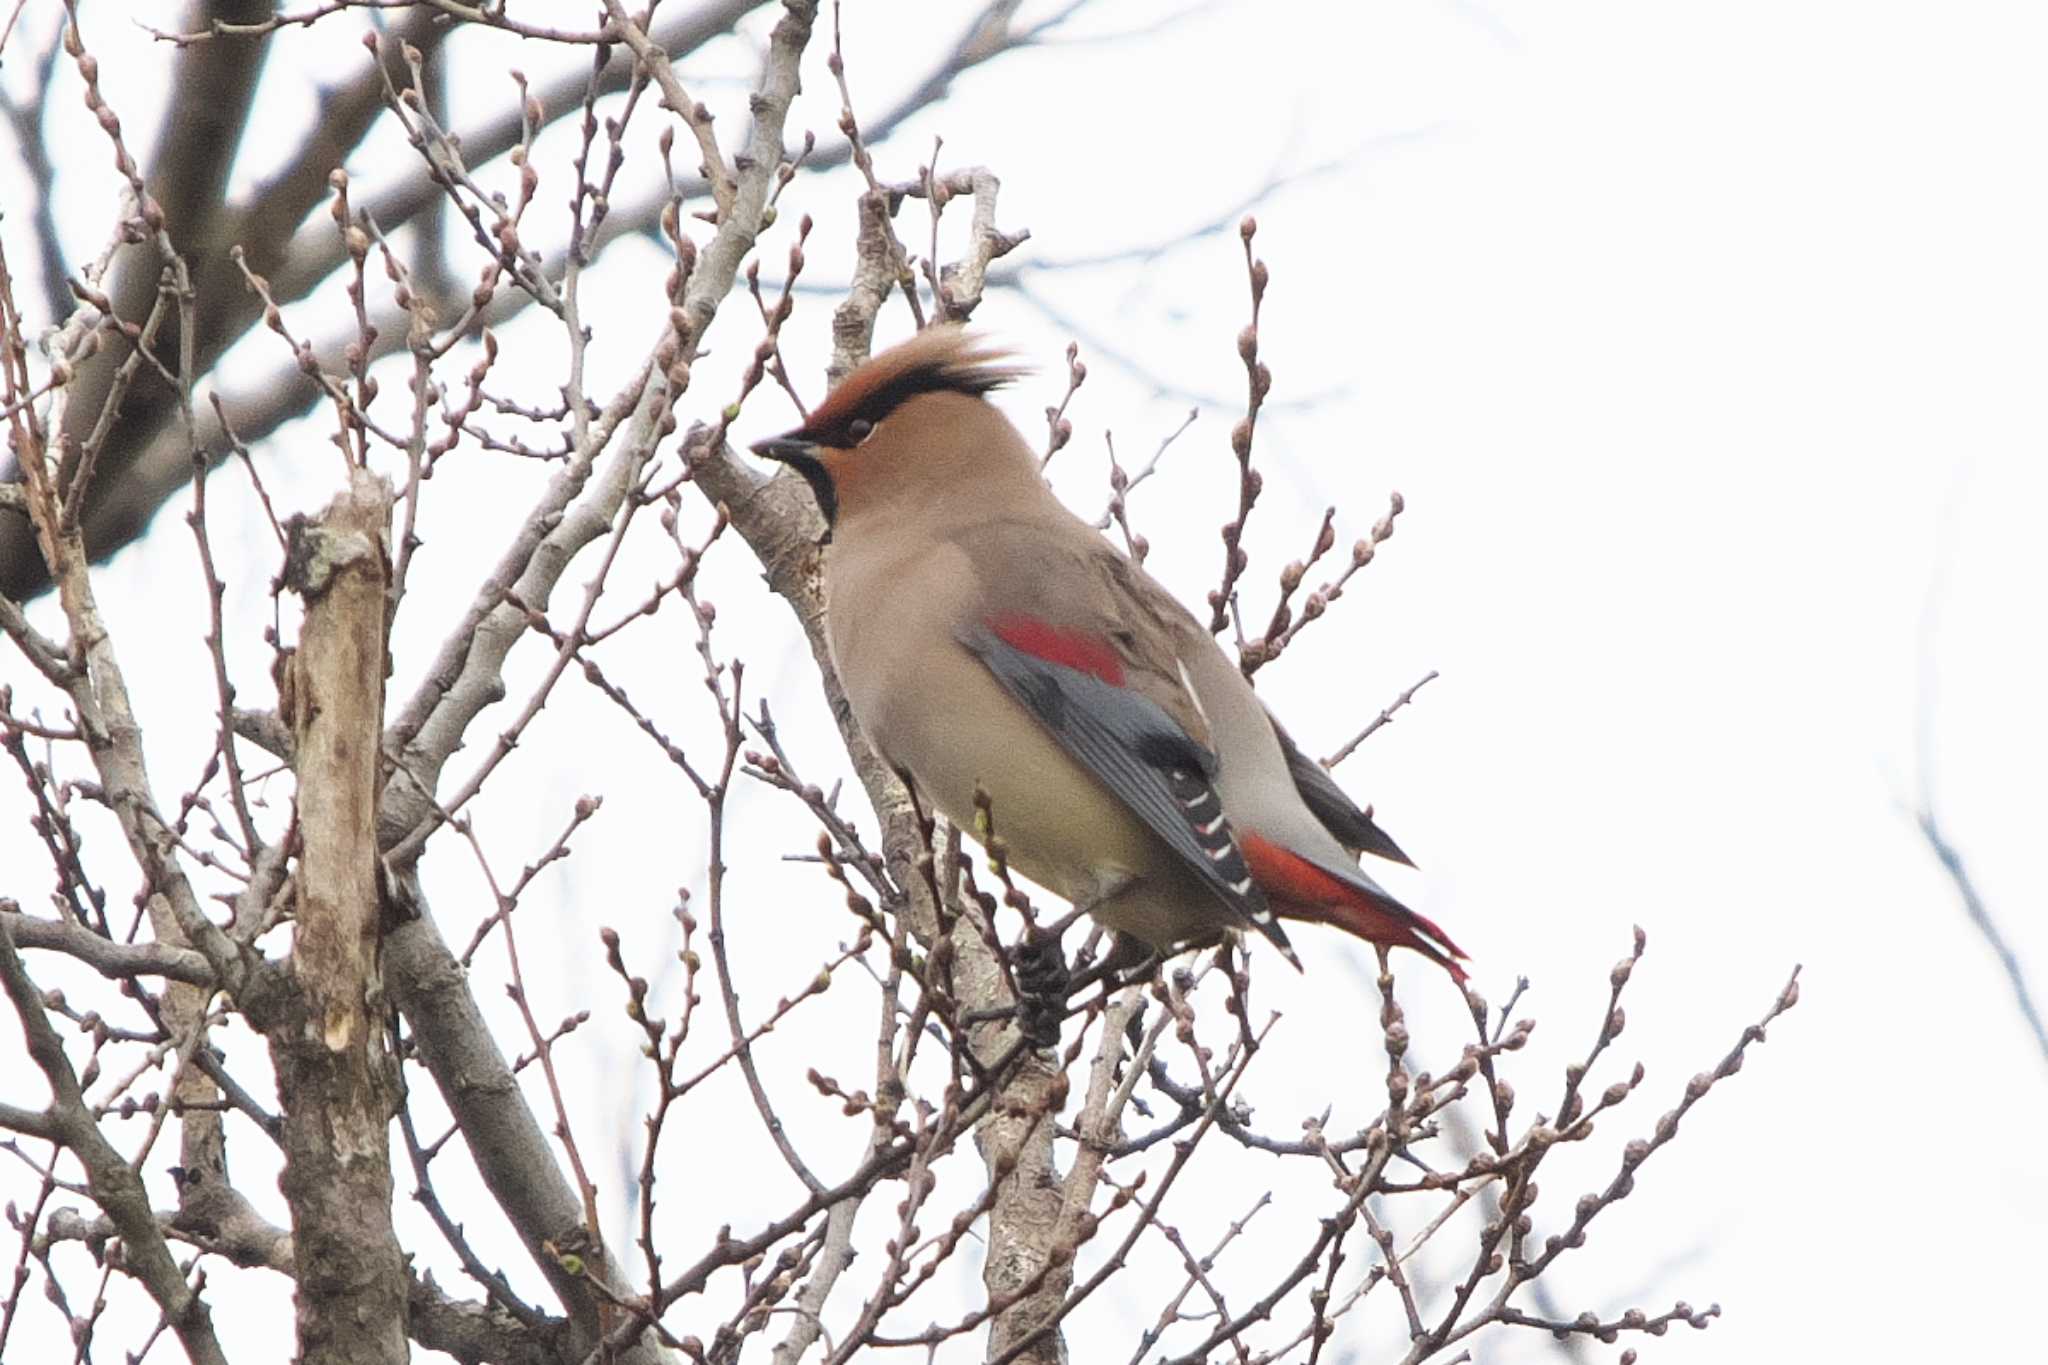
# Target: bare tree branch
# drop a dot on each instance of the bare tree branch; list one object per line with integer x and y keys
{"x": 146, "y": 465}
{"x": 114, "y": 1183}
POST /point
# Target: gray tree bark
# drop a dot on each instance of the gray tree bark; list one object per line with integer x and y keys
{"x": 328, "y": 1038}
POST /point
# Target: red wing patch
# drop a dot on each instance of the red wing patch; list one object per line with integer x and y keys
{"x": 1075, "y": 649}
{"x": 1298, "y": 889}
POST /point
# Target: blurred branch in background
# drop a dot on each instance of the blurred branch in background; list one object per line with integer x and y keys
{"x": 1925, "y": 717}
{"x": 1981, "y": 919}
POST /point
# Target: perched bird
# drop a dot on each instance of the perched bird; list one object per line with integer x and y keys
{"x": 988, "y": 637}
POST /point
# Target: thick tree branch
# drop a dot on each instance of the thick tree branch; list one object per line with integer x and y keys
{"x": 109, "y": 958}
{"x": 328, "y": 1037}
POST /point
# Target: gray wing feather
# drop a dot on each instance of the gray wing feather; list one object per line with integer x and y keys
{"x": 1329, "y": 803}
{"x": 1143, "y": 756}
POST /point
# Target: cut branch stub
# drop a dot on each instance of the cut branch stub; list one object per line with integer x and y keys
{"x": 327, "y": 1039}
{"x": 341, "y": 567}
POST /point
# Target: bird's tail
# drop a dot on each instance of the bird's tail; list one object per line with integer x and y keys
{"x": 1301, "y": 890}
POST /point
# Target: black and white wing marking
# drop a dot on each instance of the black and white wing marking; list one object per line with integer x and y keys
{"x": 1131, "y": 745}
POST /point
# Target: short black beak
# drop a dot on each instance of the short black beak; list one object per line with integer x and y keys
{"x": 787, "y": 449}
{"x": 802, "y": 456}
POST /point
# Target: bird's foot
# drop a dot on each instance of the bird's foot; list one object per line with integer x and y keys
{"x": 1040, "y": 965}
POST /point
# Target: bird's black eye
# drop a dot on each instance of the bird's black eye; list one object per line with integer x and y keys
{"x": 859, "y": 429}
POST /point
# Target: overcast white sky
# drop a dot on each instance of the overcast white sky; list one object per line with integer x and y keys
{"x": 1706, "y": 346}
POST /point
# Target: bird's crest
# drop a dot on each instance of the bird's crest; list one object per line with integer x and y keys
{"x": 939, "y": 359}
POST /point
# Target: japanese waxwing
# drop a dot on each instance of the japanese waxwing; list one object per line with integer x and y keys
{"x": 988, "y": 637}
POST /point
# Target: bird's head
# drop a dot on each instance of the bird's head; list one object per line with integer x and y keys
{"x": 911, "y": 418}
